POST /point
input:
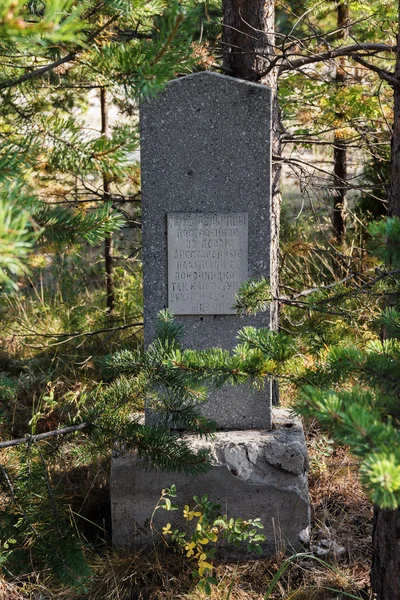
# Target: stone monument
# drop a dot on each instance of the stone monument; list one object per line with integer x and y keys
{"x": 206, "y": 197}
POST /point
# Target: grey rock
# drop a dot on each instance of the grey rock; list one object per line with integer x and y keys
{"x": 329, "y": 548}
{"x": 250, "y": 454}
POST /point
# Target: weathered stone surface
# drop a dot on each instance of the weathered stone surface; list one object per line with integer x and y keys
{"x": 205, "y": 148}
{"x": 256, "y": 474}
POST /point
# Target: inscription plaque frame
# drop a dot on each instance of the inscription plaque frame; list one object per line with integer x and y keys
{"x": 207, "y": 261}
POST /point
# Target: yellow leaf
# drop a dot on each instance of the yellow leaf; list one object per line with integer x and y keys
{"x": 187, "y": 514}
{"x": 190, "y": 545}
{"x": 203, "y": 566}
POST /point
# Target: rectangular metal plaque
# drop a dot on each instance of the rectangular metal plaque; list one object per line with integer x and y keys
{"x": 207, "y": 261}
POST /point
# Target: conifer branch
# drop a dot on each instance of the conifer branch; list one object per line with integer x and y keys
{"x": 43, "y": 436}
{"x": 38, "y": 72}
{"x": 168, "y": 41}
{"x": 14, "y": 499}
{"x": 50, "y": 493}
{"x": 324, "y": 287}
{"x": 383, "y": 74}
{"x": 46, "y": 68}
{"x": 285, "y": 63}
{"x": 72, "y": 336}
{"x": 381, "y": 275}
{"x": 351, "y": 50}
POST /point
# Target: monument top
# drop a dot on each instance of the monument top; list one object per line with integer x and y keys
{"x": 213, "y": 77}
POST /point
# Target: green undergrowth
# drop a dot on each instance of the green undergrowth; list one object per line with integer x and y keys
{"x": 55, "y": 331}
{"x": 322, "y": 295}
{"x": 340, "y": 512}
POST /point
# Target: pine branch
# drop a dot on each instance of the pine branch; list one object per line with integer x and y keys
{"x": 352, "y": 51}
{"x": 43, "y": 436}
{"x": 346, "y": 294}
{"x": 57, "y": 63}
{"x": 15, "y": 501}
{"x": 38, "y": 72}
{"x": 67, "y": 337}
{"x": 169, "y": 40}
{"x": 383, "y": 74}
{"x": 50, "y": 494}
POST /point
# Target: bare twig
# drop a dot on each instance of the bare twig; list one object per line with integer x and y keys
{"x": 71, "y": 336}
{"x": 324, "y": 287}
{"x": 383, "y": 74}
{"x": 42, "y": 436}
{"x": 351, "y": 50}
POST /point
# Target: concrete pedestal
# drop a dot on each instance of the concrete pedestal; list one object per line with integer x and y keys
{"x": 256, "y": 473}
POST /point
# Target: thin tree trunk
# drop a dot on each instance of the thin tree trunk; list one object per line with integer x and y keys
{"x": 394, "y": 190}
{"x": 385, "y": 572}
{"x": 248, "y": 40}
{"x": 339, "y": 146}
{"x": 108, "y": 241}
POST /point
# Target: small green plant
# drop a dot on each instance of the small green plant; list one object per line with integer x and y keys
{"x": 5, "y": 550}
{"x": 206, "y": 529}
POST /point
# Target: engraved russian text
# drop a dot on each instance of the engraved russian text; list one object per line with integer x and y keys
{"x": 207, "y": 261}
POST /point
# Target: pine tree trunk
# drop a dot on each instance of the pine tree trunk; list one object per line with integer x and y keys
{"x": 108, "y": 241}
{"x": 339, "y": 192}
{"x": 248, "y": 39}
{"x": 339, "y": 146}
{"x": 385, "y": 572}
{"x": 394, "y": 190}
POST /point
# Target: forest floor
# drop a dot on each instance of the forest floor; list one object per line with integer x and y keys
{"x": 335, "y": 567}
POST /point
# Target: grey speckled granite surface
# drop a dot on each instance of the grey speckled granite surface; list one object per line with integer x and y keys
{"x": 205, "y": 148}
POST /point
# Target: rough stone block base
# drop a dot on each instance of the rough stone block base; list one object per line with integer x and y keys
{"x": 256, "y": 473}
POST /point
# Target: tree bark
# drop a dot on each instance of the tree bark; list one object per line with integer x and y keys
{"x": 394, "y": 189}
{"x": 339, "y": 146}
{"x": 385, "y": 572}
{"x": 248, "y": 41}
{"x": 108, "y": 241}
